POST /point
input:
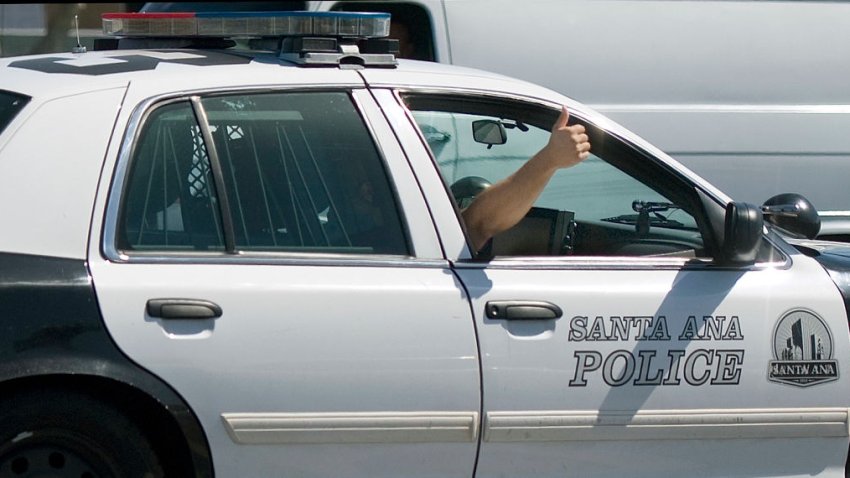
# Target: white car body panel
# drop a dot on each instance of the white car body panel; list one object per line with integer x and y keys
{"x": 312, "y": 352}
{"x": 440, "y": 207}
{"x": 536, "y": 423}
{"x": 540, "y": 402}
{"x": 59, "y": 159}
{"x": 358, "y": 349}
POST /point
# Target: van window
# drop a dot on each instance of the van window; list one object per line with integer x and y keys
{"x": 411, "y": 25}
{"x": 299, "y": 173}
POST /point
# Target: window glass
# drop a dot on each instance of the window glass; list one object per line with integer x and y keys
{"x": 610, "y": 204}
{"x": 300, "y": 174}
{"x": 170, "y": 202}
{"x": 10, "y": 105}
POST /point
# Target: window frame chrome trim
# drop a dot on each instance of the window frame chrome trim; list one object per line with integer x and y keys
{"x": 615, "y": 263}
{"x": 120, "y": 177}
{"x": 217, "y": 174}
{"x": 286, "y": 259}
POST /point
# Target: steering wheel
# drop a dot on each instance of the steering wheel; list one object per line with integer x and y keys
{"x": 465, "y": 189}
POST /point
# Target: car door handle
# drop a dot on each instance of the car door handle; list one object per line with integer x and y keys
{"x": 522, "y": 310}
{"x": 183, "y": 309}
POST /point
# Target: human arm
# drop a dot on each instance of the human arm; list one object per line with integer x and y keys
{"x": 505, "y": 203}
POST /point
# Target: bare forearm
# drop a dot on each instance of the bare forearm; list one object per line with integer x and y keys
{"x": 501, "y": 206}
{"x": 504, "y": 204}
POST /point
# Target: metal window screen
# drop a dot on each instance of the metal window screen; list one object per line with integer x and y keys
{"x": 300, "y": 171}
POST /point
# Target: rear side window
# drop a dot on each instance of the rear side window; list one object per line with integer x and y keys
{"x": 292, "y": 172}
{"x": 10, "y": 105}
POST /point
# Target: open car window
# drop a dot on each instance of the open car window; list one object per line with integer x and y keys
{"x": 615, "y": 203}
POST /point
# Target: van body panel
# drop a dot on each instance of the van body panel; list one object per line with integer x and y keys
{"x": 750, "y": 95}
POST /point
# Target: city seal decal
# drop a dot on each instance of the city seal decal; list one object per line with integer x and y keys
{"x": 802, "y": 351}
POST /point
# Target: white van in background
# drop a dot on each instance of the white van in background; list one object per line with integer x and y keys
{"x": 752, "y": 95}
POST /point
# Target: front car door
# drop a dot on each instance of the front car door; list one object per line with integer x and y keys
{"x": 265, "y": 254}
{"x": 612, "y": 341}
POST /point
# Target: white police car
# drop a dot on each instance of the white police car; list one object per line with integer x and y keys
{"x": 250, "y": 263}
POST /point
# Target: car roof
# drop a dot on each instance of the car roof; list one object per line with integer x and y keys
{"x": 63, "y": 73}
{"x": 60, "y": 74}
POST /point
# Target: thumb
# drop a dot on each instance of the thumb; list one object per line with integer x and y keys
{"x": 562, "y": 120}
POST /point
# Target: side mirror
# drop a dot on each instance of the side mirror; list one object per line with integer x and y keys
{"x": 792, "y": 213}
{"x": 742, "y": 233}
{"x": 489, "y": 132}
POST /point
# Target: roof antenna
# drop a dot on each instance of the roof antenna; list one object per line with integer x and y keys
{"x": 79, "y": 48}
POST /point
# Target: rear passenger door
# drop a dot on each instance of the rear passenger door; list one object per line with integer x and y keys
{"x": 270, "y": 259}
{"x": 613, "y": 343}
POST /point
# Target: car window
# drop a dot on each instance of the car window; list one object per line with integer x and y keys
{"x": 10, "y": 105}
{"x": 299, "y": 172}
{"x": 610, "y": 204}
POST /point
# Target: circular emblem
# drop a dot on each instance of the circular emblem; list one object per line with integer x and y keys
{"x": 802, "y": 350}
{"x": 802, "y": 335}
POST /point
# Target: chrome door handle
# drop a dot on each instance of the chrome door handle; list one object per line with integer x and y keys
{"x": 522, "y": 310}
{"x": 183, "y": 309}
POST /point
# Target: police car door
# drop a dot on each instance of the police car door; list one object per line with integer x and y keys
{"x": 612, "y": 342}
{"x": 256, "y": 256}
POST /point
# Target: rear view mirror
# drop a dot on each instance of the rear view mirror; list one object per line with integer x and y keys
{"x": 792, "y": 213}
{"x": 743, "y": 233}
{"x": 489, "y": 132}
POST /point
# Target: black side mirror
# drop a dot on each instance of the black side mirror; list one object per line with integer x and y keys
{"x": 743, "y": 231}
{"x": 792, "y": 213}
{"x": 489, "y": 132}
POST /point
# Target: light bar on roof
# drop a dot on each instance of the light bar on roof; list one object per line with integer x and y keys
{"x": 246, "y": 24}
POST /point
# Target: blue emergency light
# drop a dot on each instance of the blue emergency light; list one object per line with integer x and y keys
{"x": 308, "y": 38}
{"x": 246, "y": 24}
